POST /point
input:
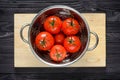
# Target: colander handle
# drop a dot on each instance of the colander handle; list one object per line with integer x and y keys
{"x": 21, "y": 33}
{"x": 96, "y": 43}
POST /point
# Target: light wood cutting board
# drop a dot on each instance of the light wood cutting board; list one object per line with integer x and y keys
{"x": 23, "y": 56}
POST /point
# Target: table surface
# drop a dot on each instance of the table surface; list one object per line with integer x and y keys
{"x": 23, "y": 56}
{"x": 7, "y": 70}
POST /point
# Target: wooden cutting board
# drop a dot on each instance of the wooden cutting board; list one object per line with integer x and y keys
{"x": 23, "y": 56}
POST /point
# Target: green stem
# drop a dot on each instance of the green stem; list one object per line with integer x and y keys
{"x": 71, "y": 40}
{"x": 43, "y": 42}
{"x": 53, "y": 22}
{"x": 57, "y": 54}
{"x": 72, "y": 23}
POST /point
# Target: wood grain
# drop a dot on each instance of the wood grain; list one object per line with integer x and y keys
{"x": 9, "y": 7}
{"x": 95, "y": 58}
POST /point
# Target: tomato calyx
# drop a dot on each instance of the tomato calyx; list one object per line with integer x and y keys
{"x": 72, "y": 24}
{"x": 71, "y": 41}
{"x": 58, "y": 55}
{"x": 43, "y": 42}
{"x": 53, "y": 22}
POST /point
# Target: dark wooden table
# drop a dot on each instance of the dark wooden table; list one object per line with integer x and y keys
{"x": 7, "y": 70}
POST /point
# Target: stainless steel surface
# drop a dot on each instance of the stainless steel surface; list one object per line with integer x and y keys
{"x": 64, "y": 10}
{"x": 21, "y": 33}
{"x": 96, "y": 43}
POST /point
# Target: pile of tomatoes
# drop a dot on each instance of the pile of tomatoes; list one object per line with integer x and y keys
{"x": 59, "y": 37}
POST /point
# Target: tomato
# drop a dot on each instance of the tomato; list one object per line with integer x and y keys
{"x": 72, "y": 44}
{"x": 70, "y": 26}
{"x": 53, "y": 24}
{"x": 59, "y": 38}
{"x": 44, "y": 41}
{"x": 58, "y": 53}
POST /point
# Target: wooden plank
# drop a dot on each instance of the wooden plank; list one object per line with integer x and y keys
{"x": 7, "y": 13}
{"x": 113, "y": 27}
{"x": 45, "y": 76}
{"x": 4, "y": 68}
{"x": 96, "y": 58}
{"x": 110, "y": 7}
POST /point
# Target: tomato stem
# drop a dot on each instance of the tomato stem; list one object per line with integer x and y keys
{"x": 71, "y": 40}
{"x": 72, "y": 23}
{"x": 43, "y": 42}
{"x": 57, "y": 54}
{"x": 53, "y": 22}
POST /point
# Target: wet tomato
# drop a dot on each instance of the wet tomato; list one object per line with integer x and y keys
{"x": 53, "y": 24}
{"x": 44, "y": 41}
{"x": 72, "y": 44}
{"x": 59, "y": 38}
{"x": 70, "y": 26}
{"x": 57, "y": 53}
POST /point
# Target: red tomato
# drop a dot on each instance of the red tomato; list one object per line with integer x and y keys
{"x": 58, "y": 53}
{"x": 70, "y": 26}
{"x": 44, "y": 41}
{"x": 59, "y": 38}
{"x": 53, "y": 24}
{"x": 72, "y": 44}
